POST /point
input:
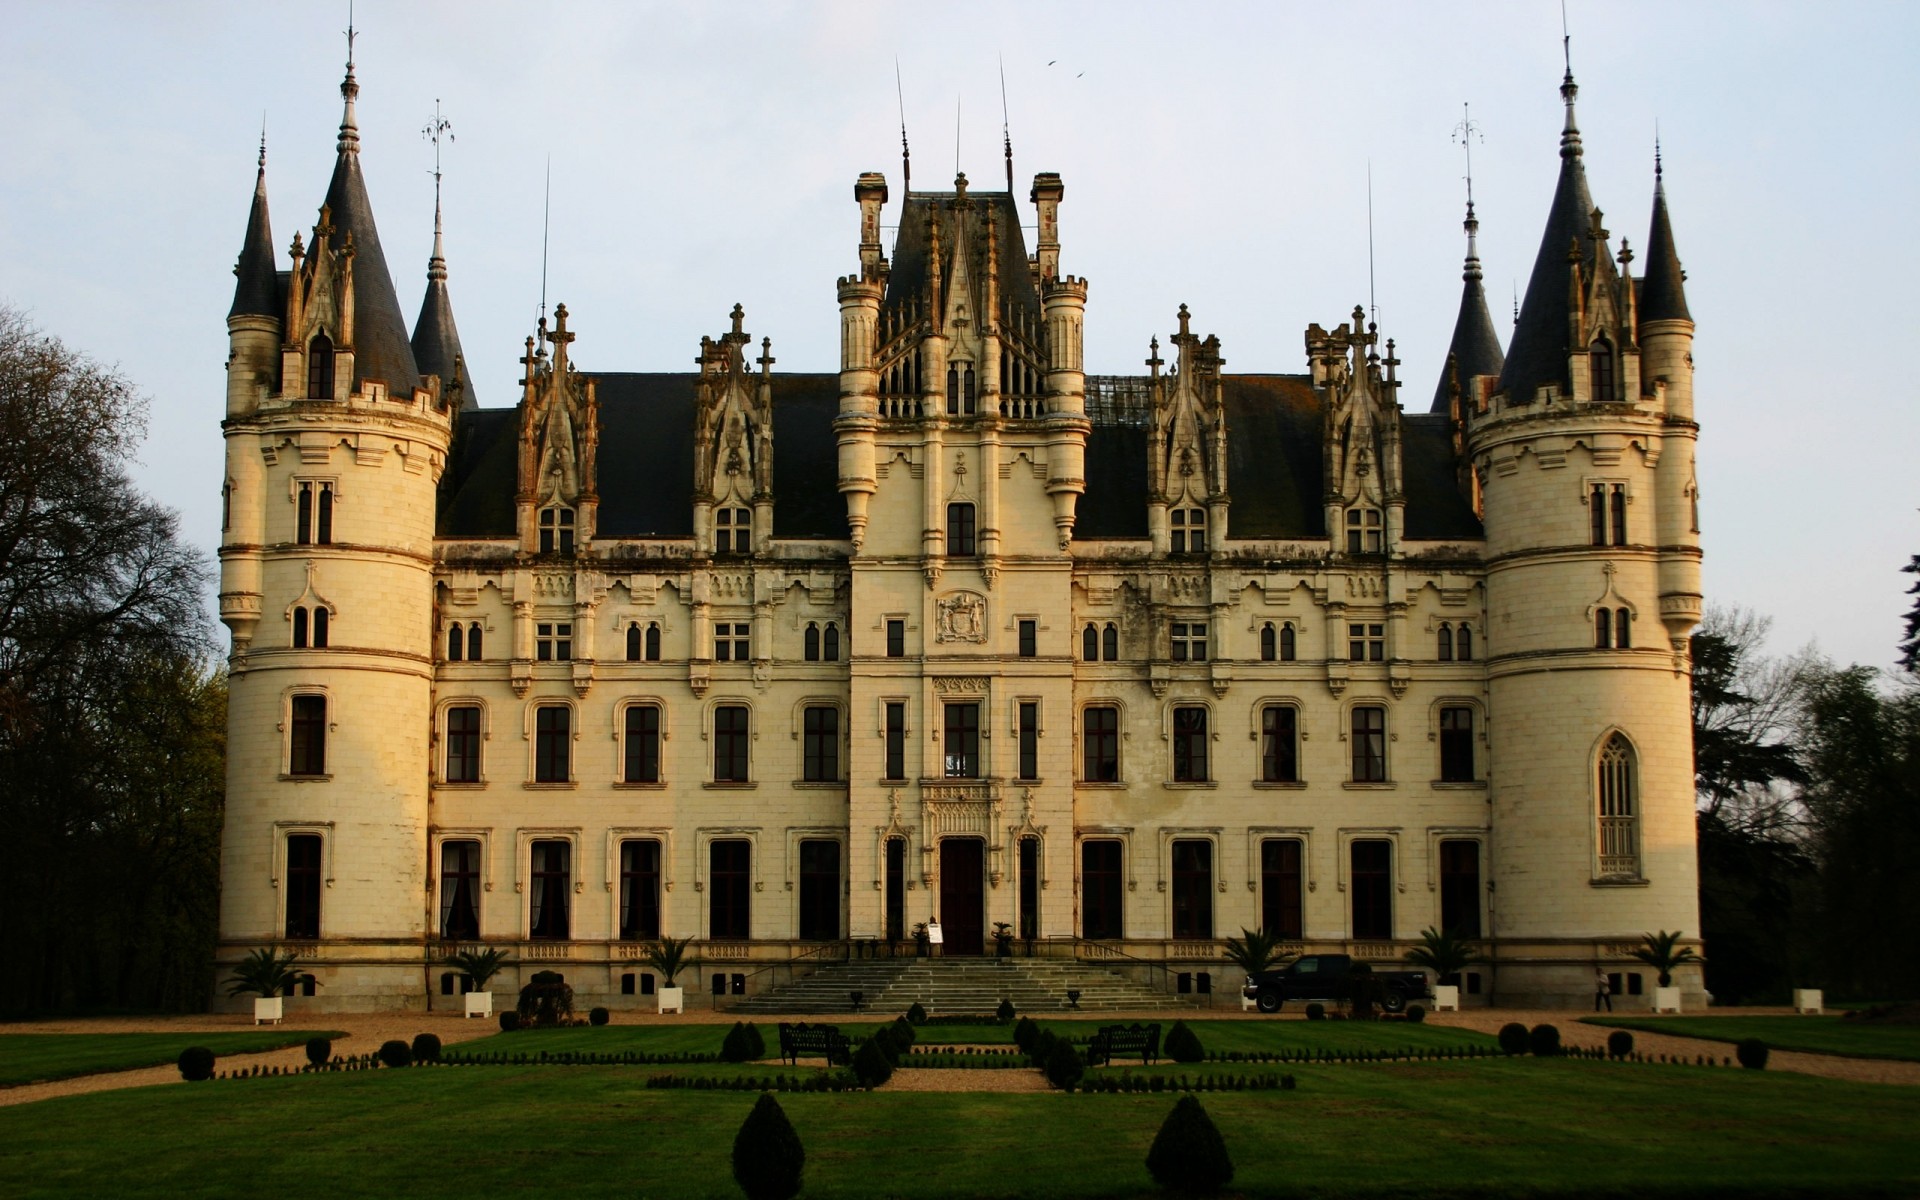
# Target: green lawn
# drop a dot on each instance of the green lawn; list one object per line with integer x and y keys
{"x": 33, "y": 1057}
{"x": 1485, "y": 1128}
{"x": 1817, "y": 1035}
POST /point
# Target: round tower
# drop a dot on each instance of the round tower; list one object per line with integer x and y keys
{"x": 1591, "y": 790}
{"x": 334, "y": 452}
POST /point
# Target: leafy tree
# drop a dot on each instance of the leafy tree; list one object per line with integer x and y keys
{"x": 1910, "y": 645}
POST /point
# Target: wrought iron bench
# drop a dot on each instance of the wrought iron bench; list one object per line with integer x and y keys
{"x": 1131, "y": 1041}
{"x": 813, "y": 1041}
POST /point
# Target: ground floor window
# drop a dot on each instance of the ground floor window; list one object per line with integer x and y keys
{"x": 550, "y": 899}
{"x": 1193, "y": 888}
{"x": 1280, "y": 888}
{"x": 1460, "y": 887}
{"x": 639, "y": 890}
{"x": 459, "y": 890}
{"x": 1102, "y": 889}
{"x": 729, "y": 888}
{"x": 1371, "y": 881}
{"x": 819, "y": 891}
{"x": 303, "y": 885}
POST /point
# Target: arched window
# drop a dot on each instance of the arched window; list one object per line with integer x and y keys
{"x": 456, "y": 643}
{"x": 1622, "y": 637}
{"x": 1286, "y": 642}
{"x": 830, "y": 643}
{"x": 1110, "y": 642}
{"x": 653, "y": 642}
{"x": 299, "y": 629}
{"x": 1463, "y": 644}
{"x": 473, "y": 642}
{"x": 953, "y": 391}
{"x": 633, "y": 641}
{"x": 1603, "y": 629}
{"x": 1269, "y": 644}
{"x": 1090, "y": 644}
{"x": 1446, "y": 643}
{"x": 812, "y": 653}
{"x": 320, "y": 367}
{"x": 1615, "y": 789}
{"x": 321, "y": 616}
{"x": 1601, "y": 369}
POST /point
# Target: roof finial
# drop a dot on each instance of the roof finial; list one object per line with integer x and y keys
{"x": 437, "y": 130}
{"x": 1570, "y": 136}
{"x": 546, "y": 225}
{"x": 1464, "y": 133}
{"x": 349, "y": 88}
{"x": 906, "y": 155}
{"x": 1656, "y": 153}
{"x": 263, "y": 143}
{"x": 1006, "y": 126}
{"x": 1372, "y": 304}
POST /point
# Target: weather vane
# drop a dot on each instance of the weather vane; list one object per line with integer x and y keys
{"x": 1465, "y": 133}
{"x": 437, "y": 130}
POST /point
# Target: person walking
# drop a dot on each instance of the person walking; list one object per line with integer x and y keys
{"x": 1602, "y": 990}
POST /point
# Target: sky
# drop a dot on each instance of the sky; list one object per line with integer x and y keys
{"x": 1213, "y": 155}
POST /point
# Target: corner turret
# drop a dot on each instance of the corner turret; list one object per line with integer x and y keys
{"x": 1475, "y": 348}
{"x": 254, "y": 323}
{"x": 436, "y": 339}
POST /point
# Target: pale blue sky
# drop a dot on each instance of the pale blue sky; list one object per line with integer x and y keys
{"x": 1214, "y": 155}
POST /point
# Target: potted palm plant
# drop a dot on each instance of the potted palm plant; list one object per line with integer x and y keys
{"x": 1446, "y": 955}
{"x": 1003, "y": 939}
{"x": 1253, "y": 952}
{"x": 479, "y": 966}
{"x": 669, "y": 957}
{"x": 267, "y": 977}
{"x": 1663, "y": 953}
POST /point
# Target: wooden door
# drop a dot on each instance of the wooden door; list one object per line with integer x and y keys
{"x": 963, "y": 870}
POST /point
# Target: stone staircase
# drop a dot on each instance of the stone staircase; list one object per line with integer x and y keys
{"x": 959, "y": 985}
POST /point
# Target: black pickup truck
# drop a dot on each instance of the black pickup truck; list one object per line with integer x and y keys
{"x": 1331, "y": 977}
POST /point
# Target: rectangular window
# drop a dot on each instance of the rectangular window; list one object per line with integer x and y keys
{"x": 551, "y": 896}
{"x": 896, "y": 889}
{"x": 463, "y": 744}
{"x": 303, "y": 885}
{"x": 733, "y": 531}
{"x": 1029, "y": 766}
{"x": 1193, "y": 889}
{"x": 896, "y": 639}
{"x": 1619, "y": 514}
{"x": 641, "y": 757}
{"x": 1456, "y": 744}
{"x": 730, "y": 888}
{"x": 556, "y": 531}
{"x": 552, "y": 744}
{"x": 1189, "y": 530}
{"x": 307, "y": 740}
{"x": 1102, "y": 890}
{"x": 1190, "y": 744}
{"x": 1369, "y": 744}
{"x": 1281, "y": 888}
{"x": 1100, "y": 745}
{"x": 960, "y": 540}
{"x": 1189, "y": 641}
{"x": 1597, "y": 513}
{"x": 1029, "y": 638}
{"x": 819, "y": 891}
{"x": 730, "y": 738}
{"x": 459, "y": 890}
{"x": 820, "y": 745}
{"x": 896, "y": 740}
{"x": 553, "y": 641}
{"x": 1366, "y": 643}
{"x": 1029, "y": 887}
{"x": 1372, "y": 883}
{"x": 1460, "y": 887}
{"x": 639, "y": 890}
{"x": 732, "y": 641}
{"x": 1279, "y": 744}
{"x": 962, "y": 744}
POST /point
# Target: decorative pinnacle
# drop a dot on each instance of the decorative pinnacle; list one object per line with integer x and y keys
{"x": 437, "y": 129}
{"x": 349, "y": 89}
{"x": 263, "y": 145}
{"x": 1464, "y": 133}
{"x": 1570, "y": 136}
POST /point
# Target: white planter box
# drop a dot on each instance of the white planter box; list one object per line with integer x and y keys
{"x": 1446, "y": 996}
{"x": 479, "y": 1004}
{"x": 671, "y": 999}
{"x": 1808, "y": 1000}
{"x": 266, "y": 1009}
{"x": 1666, "y": 999}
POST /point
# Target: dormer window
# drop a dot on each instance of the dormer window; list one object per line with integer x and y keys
{"x": 733, "y": 531}
{"x": 1363, "y": 531}
{"x": 320, "y": 367}
{"x": 962, "y": 396}
{"x": 1189, "y": 530}
{"x": 556, "y": 531}
{"x": 1600, "y": 369}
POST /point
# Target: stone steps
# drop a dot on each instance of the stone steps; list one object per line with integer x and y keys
{"x": 959, "y": 985}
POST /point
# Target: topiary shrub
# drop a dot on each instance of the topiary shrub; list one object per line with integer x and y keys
{"x": 1065, "y": 1067}
{"x": 767, "y": 1155}
{"x": 426, "y": 1048}
{"x": 916, "y": 1014}
{"x": 546, "y": 1000}
{"x": 1416, "y": 1013}
{"x": 1752, "y": 1053}
{"x": 1042, "y": 1048}
{"x": 1183, "y": 1045}
{"x": 1188, "y": 1154}
{"x": 1005, "y": 1011}
{"x": 396, "y": 1053}
{"x": 599, "y": 1016}
{"x": 733, "y": 1047}
{"x": 755, "y": 1043}
{"x": 904, "y": 1035}
{"x": 196, "y": 1064}
{"x": 1316, "y": 1011}
{"x": 1024, "y": 1031}
{"x": 870, "y": 1064}
{"x": 1544, "y": 1040}
{"x": 509, "y": 1021}
{"x": 319, "y": 1051}
{"x": 1619, "y": 1043}
{"x": 1513, "y": 1038}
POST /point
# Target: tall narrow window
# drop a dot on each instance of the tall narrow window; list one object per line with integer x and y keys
{"x": 1463, "y": 644}
{"x": 1619, "y": 514}
{"x": 639, "y": 890}
{"x": 320, "y": 367}
{"x": 456, "y": 642}
{"x": 1619, "y": 811}
{"x": 641, "y": 752}
{"x": 322, "y": 618}
{"x": 303, "y": 885}
{"x": 1102, "y": 889}
{"x": 1029, "y": 765}
{"x": 473, "y": 642}
{"x": 830, "y": 643}
{"x": 307, "y": 736}
{"x": 1090, "y": 644}
{"x": 1446, "y": 643}
{"x": 896, "y": 638}
{"x": 730, "y": 741}
{"x": 969, "y": 391}
{"x": 819, "y": 891}
{"x": 1029, "y": 638}
{"x": 553, "y": 641}
{"x": 1190, "y": 744}
{"x": 1622, "y": 631}
{"x": 556, "y": 531}
{"x": 820, "y": 744}
{"x": 633, "y": 641}
{"x": 1279, "y": 744}
{"x": 1281, "y": 881}
{"x": 300, "y": 627}
{"x": 810, "y": 643}
{"x": 1603, "y": 629}
{"x": 960, "y": 530}
{"x": 1100, "y": 745}
{"x": 463, "y": 744}
{"x": 459, "y": 890}
{"x": 1287, "y": 643}
{"x": 1369, "y": 744}
{"x": 1110, "y": 642}
{"x": 303, "y": 514}
{"x": 962, "y": 743}
{"x": 551, "y": 895}
{"x": 896, "y": 889}
{"x": 896, "y": 748}
{"x": 552, "y": 744}
{"x": 1597, "y": 514}
{"x": 1460, "y": 887}
{"x": 953, "y": 390}
{"x": 1189, "y": 640}
{"x": 653, "y": 641}
{"x": 1029, "y": 887}
{"x": 1601, "y": 374}
{"x": 1193, "y": 888}
{"x": 730, "y": 888}
{"x": 1371, "y": 878}
{"x": 1269, "y": 643}
{"x": 1456, "y": 744}
{"x": 323, "y": 515}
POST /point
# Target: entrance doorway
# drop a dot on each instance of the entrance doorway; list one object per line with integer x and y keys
{"x": 963, "y": 871}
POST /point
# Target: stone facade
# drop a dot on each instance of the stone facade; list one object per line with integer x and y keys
{"x": 790, "y": 664}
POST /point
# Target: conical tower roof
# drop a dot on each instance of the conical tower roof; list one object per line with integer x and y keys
{"x": 436, "y": 340}
{"x": 1538, "y": 353}
{"x": 381, "y": 348}
{"x": 1663, "y": 292}
{"x": 257, "y": 292}
{"x": 1475, "y": 349}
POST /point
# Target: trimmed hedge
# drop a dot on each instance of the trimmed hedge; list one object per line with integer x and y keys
{"x": 1544, "y": 1040}
{"x": 196, "y": 1064}
{"x": 319, "y": 1051}
{"x": 426, "y": 1048}
{"x": 1752, "y": 1053}
{"x": 396, "y": 1053}
{"x": 1513, "y": 1038}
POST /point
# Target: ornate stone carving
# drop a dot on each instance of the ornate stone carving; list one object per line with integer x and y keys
{"x": 961, "y": 617}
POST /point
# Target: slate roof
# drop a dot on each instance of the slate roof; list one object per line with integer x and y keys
{"x": 908, "y": 269}
{"x": 436, "y": 339}
{"x": 1538, "y": 353}
{"x": 1436, "y": 509}
{"x": 381, "y": 347}
{"x": 1475, "y": 348}
{"x": 257, "y": 291}
{"x": 1663, "y": 293}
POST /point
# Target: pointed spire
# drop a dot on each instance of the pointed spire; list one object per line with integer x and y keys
{"x": 1663, "y": 293}
{"x": 1475, "y": 348}
{"x": 349, "y": 90}
{"x": 257, "y": 292}
{"x": 436, "y": 339}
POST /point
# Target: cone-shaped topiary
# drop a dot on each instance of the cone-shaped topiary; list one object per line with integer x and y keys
{"x": 1544, "y": 1040}
{"x": 1620, "y": 1043}
{"x": 755, "y": 1043}
{"x": 1752, "y": 1053}
{"x": 599, "y": 1016}
{"x": 1513, "y": 1038}
{"x": 1065, "y": 1067}
{"x": 396, "y": 1053}
{"x": 319, "y": 1051}
{"x": 870, "y": 1064}
{"x": 1005, "y": 1011}
{"x": 426, "y": 1047}
{"x": 1024, "y": 1031}
{"x": 916, "y": 1013}
{"x": 733, "y": 1047}
{"x": 196, "y": 1064}
{"x": 767, "y": 1155}
{"x": 904, "y": 1034}
{"x": 1188, "y": 1154}
{"x": 1183, "y": 1044}
{"x": 888, "y": 1047}
{"x": 1042, "y": 1048}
